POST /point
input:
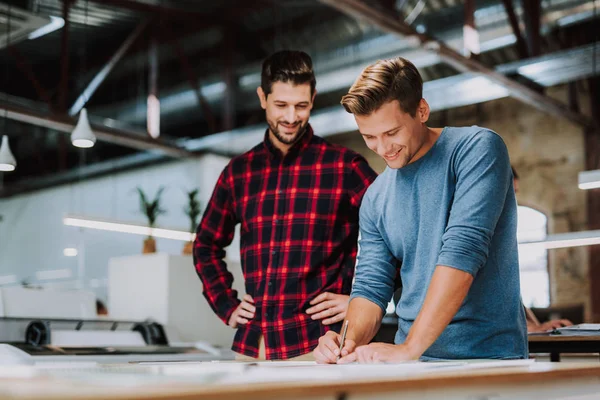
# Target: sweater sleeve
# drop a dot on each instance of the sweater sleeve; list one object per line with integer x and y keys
{"x": 375, "y": 271}
{"x": 483, "y": 175}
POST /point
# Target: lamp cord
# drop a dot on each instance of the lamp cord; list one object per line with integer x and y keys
{"x": 6, "y": 72}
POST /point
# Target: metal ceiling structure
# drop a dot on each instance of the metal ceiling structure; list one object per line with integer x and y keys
{"x": 113, "y": 134}
{"x": 518, "y": 90}
{"x": 207, "y": 58}
{"x": 445, "y": 93}
{"x": 338, "y": 68}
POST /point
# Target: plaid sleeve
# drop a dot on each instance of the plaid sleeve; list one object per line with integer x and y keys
{"x": 214, "y": 233}
{"x": 360, "y": 177}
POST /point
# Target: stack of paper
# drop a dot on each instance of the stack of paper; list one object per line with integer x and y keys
{"x": 581, "y": 330}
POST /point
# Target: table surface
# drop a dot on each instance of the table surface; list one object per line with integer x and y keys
{"x": 58, "y": 388}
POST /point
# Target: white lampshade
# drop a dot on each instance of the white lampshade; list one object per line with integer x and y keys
{"x": 589, "y": 179}
{"x": 7, "y": 160}
{"x": 82, "y": 135}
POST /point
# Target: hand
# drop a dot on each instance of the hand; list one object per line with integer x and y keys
{"x": 379, "y": 353}
{"x": 243, "y": 313}
{"x": 328, "y": 350}
{"x": 331, "y": 306}
{"x": 555, "y": 323}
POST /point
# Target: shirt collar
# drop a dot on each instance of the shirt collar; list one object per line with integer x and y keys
{"x": 294, "y": 150}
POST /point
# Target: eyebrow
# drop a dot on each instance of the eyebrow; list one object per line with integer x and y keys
{"x": 285, "y": 102}
{"x": 383, "y": 133}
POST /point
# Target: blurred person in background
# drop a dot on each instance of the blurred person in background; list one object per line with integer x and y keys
{"x": 533, "y": 324}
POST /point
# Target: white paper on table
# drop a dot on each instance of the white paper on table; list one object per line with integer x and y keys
{"x": 17, "y": 371}
{"x": 298, "y": 372}
{"x": 581, "y": 327}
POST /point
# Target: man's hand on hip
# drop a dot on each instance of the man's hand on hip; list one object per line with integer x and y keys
{"x": 329, "y": 307}
{"x": 243, "y": 313}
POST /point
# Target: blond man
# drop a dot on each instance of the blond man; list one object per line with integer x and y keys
{"x": 445, "y": 209}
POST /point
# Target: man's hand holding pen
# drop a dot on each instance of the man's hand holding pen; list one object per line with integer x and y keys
{"x": 328, "y": 350}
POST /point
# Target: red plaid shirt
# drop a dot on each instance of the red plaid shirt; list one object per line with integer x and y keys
{"x": 299, "y": 230}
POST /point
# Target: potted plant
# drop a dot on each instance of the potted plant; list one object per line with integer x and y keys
{"x": 151, "y": 209}
{"x": 193, "y": 210}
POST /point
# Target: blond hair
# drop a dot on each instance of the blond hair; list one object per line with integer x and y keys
{"x": 382, "y": 82}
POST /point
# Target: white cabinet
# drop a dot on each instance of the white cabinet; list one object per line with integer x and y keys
{"x": 167, "y": 289}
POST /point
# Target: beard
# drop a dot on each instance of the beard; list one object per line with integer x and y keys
{"x": 288, "y": 138}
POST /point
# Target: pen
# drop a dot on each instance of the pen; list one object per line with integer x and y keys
{"x": 344, "y": 330}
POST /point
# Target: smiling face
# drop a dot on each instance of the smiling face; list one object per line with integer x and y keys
{"x": 287, "y": 109}
{"x": 395, "y": 135}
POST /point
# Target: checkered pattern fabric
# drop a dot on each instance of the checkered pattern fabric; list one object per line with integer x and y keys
{"x": 299, "y": 227}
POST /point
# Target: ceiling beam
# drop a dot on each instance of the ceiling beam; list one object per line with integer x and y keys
{"x": 514, "y": 24}
{"x": 64, "y": 58}
{"x": 532, "y": 18}
{"x": 90, "y": 89}
{"x": 119, "y": 136}
{"x": 360, "y": 10}
{"x": 25, "y": 67}
{"x": 200, "y": 18}
{"x": 191, "y": 77}
{"x": 155, "y": 9}
{"x": 78, "y": 174}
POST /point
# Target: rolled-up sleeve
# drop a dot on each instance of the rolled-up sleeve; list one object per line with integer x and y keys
{"x": 483, "y": 175}
{"x": 215, "y": 232}
{"x": 375, "y": 271}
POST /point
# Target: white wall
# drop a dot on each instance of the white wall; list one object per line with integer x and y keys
{"x": 32, "y": 235}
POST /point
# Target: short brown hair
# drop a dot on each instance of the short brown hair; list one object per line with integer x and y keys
{"x": 382, "y": 82}
{"x": 287, "y": 66}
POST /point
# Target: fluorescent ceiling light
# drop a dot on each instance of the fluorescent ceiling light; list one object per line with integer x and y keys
{"x": 589, "y": 179}
{"x": 104, "y": 225}
{"x": 53, "y": 274}
{"x": 562, "y": 240}
{"x": 70, "y": 252}
{"x": 8, "y": 279}
{"x": 153, "y": 123}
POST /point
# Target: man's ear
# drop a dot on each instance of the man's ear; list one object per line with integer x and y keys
{"x": 262, "y": 97}
{"x": 423, "y": 111}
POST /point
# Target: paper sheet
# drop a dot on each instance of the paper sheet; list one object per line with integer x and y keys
{"x": 582, "y": 327}
{"x": 231, "y": 373}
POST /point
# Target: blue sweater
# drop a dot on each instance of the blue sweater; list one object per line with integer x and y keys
{"x": 454, "y": 207}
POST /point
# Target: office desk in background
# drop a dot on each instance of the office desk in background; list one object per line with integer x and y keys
{"x": 560, "y": 344}
{"x": 539, "y": 343}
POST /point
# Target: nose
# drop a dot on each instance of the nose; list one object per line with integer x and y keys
{"x": 382, "y": 147}
{"x": 290, "y": 115}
